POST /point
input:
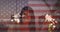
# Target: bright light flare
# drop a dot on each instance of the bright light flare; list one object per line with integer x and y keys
{"x": 16, "y": 18}
{"x": 48, "y": 17}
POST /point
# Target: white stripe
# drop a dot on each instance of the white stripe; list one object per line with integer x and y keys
{"x": 43, "y": 13}
{"x": 40, "y": 8}
{"x": 43, "y": 8}
{"x": 42, "y": 2}
{"x": 40, "y": 14}
{"x": 36, "y": 2}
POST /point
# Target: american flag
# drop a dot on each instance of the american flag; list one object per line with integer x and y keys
{"x": 40, "y": 8}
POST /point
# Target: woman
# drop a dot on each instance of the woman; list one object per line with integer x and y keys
{"x": 27, "y": 19}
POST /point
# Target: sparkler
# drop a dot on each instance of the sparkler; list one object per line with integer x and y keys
{"x": 51, "y": 25}
{"x": 16, "y": 18}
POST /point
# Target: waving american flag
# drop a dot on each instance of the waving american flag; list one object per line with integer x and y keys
{"x": 40, "y": 9}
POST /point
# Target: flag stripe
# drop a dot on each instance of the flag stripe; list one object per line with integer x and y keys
{"x": 42, "y": 5}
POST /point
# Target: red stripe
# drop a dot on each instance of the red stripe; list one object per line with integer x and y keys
{"x": 46, "y": 28}
{"x": 27, "y": 22}
{"x": 26, "y": 29}
{"x": 58, "y": 11}
{"x": 52, "y": 17}
{"x": 15, "y": 28}
{"x": 41, "y": 5}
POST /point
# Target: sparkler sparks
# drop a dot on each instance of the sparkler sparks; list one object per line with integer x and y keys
{"x": 16, "y": 18}
{"x": 50, "y": 19}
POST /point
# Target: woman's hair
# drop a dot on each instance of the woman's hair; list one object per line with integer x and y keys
{"x": 27, "y": 8}
{"x": 31, "y": 14}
